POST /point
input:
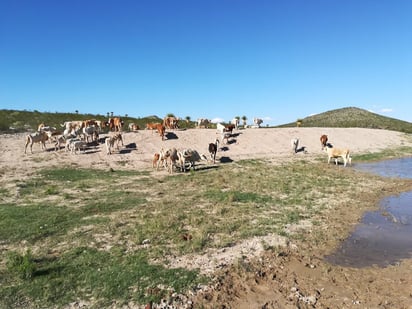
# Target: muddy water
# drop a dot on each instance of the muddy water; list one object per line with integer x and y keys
{"x": 383, "y": 237}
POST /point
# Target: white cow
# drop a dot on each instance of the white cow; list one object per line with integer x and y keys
{"x": 190, "y": 156}
{"x": 203, "y": 122}
{"x": 111, "y": 140}
{"x": 91, "y": 132}
{"x": 337, "y": 153}
{"x": 77, "y": 145}
{"x": 38, "y": 137}
{"x": 235, "y": 122}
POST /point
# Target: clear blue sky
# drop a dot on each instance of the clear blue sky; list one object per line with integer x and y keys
{"x": 276, "y": 60}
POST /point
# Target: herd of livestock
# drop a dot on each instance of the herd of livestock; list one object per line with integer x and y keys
{"x": 77, "y": 135}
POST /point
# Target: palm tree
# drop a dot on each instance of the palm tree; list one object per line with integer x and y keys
{"x": 187, "y": 119}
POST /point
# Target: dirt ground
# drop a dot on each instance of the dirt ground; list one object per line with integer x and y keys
{"x": 294, "y": 276}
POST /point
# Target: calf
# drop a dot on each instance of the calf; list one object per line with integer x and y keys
{"x": 77, "y": 145}
{"x": 168, "y": 158}
{"x": 160, "y": 158}
{"x": 156, "y": 159}
{"x": 336, "y": 153}
{"x": 111, "y": 140}
{"x": 213, "y": 150}
{"x": 59, "y": 141}
{"x": 172, "y": 159}
{"x": 69, "y": 140}
{"x": 38, "y": 137}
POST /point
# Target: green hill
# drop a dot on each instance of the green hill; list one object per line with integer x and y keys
{"x": 353, "y": 117}
{"x": 22, "y": 121}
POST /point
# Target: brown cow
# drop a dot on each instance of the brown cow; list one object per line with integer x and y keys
{"x": 115, "y": 124}
{"x": 90, "y": 122}
{"x": 170, "y": 122}
{"x": 229, "y": 128}
{"x": 161, "y": 130}
{"x": 323, "y": 140}
{"x": 152, "y": 125}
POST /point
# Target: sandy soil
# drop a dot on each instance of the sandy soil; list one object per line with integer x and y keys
{"x": 291, "y": 278}
{"x": 140, "y": 146}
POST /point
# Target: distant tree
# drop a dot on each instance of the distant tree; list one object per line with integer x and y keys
{"x": 170, "y": 115}
{"x": 187, "y": 119}
{"x": 111, "y": 114}
{"x": 244, "y": 119}
{"x": 108, "y": 114}
{"x": 126, "y": 115}
{"x": 299, "y": 122}
{"x": 76, "y": 111}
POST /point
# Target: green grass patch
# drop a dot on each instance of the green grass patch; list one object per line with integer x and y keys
{"x": 84, "y": 273}
{"x": 389, "y": 153}
{"x": 94, "y": 232}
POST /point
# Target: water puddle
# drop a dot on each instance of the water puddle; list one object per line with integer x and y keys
{"x": 383, "y": 237}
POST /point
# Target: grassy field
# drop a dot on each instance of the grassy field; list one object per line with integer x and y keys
{"x": 68, "y": 234}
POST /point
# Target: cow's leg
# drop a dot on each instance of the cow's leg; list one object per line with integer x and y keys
{"x": 25, "y": 147}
